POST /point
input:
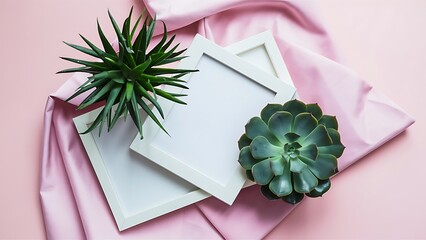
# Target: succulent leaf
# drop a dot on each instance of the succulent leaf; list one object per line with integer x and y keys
{"x": 291, "y": 150}
{"x": 131, "y": 75}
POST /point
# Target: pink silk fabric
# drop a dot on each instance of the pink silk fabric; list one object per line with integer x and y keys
{"x": 73, "y": 203}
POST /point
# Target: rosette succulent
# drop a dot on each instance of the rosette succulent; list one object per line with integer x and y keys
{"x": 129, "y": 78}
{"x": 291, "y": 150}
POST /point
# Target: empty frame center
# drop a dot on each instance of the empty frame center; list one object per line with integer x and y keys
{"x": 205, "y": 132}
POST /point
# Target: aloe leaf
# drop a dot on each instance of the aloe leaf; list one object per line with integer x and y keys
{"x": 305, "y": 181}
{"x": 177, "y": 53}
{"x": 279, "y": 124}
{"x": 269, "y": 110}
{"x": 170, "y": 60}
{"x": 129, "y": 90}
{"x": 134, "y": 113}
{"x": 119, "y": 110}
{"x": 101, "y": 53}
{"x": 87, "y": 88}
{"x": 146, "y": 95}
{"x": 160, "y": 44}
{"x": 293, "y": 198}
{"x": 294, "y": 107}
{"x": 120, "y": 36}
{"x": 151, "y": 114}
{"x": 246, "y": 159}
{"x": 167, "y": 45}
{"x": 113, "y": 95}
{"x": 140, "y": 45}
{"x": 126, "y": 28}
{"x": 304, "y": 123}
{"x": 161, "y": 71}
{"x": 315, "y": 110}
{"x": 150, "y": 30}
{"x": 262, "y": 172}
{"x": 95, "y": 65}
{"x": 79, "y": 69}
{"x": 318, "y": 136}
{"x": 135, "y": 26}
{"x": 104, "y": 90}
{"x": 322, "y": 187}
{"x": 105, "y": 43}
{"x": 95, "y": 123}
{"x": 281, "y": 185}
{"x": 262, "y": 148}
{"x": 243, "y": 141}
{"x": 141, "y": 67}
{"x": 83, "y": 49}
{"x": 169, "y": 96}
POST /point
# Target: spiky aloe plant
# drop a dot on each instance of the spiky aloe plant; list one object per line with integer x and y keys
{"x": 128, "y": 76}
{"x": 291, "y": 151}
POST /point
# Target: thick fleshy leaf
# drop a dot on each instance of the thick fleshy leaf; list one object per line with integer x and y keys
{"x": 169, "y": 96}
{"x": 297, "y": 166}
{"x": 304, "y": 123}
{"x": 280, "y": 124}
{"x": 269, "y": 110}
{"x": 249, "y": 175}
{"x": 305, "y": 181}
{"x": 262, "y": 172}
{"x": 257, "y": 127}
{"x": 244, "y": 141}
{"x": 309, "y": 151}
{"x": 291, "y": 137}
{"x": 329, "y": 122}
{"x": 245, "y": 158}
{"x": 267, "y": 193}
{"x": 278, "y": 164}
{"x": 294, "y": 107}
{"x": 318, "y": 136}
{"x": 293, "y": 198}
{"x": 314, "y": 109}
{"x": 281, "y": 185}
{"x": 261, "y": 148}
{"x": 323, "y": 167}
{"x": 323, "y": 187}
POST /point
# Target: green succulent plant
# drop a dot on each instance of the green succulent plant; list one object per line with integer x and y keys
{"x": 131, "y": 77}
{"x": 291, "y": 150}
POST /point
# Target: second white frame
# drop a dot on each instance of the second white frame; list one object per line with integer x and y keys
{"x": 225, "y": 189}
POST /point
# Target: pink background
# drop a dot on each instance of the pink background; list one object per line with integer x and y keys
{"x": 384, "y": 41}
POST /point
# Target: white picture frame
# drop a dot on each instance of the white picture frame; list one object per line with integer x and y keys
{"x": 259, "y": 48}
{"x": 122, "y": 173}
{"x": 220, "y": 70}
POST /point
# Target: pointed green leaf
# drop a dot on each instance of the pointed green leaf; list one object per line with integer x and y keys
{"x": 83, "y": 49}
{"x": 151, "y": 114}
{"x": 105, "y": 43}
{"x": 146, "y": 95}
{"x": 169, "y": 96}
